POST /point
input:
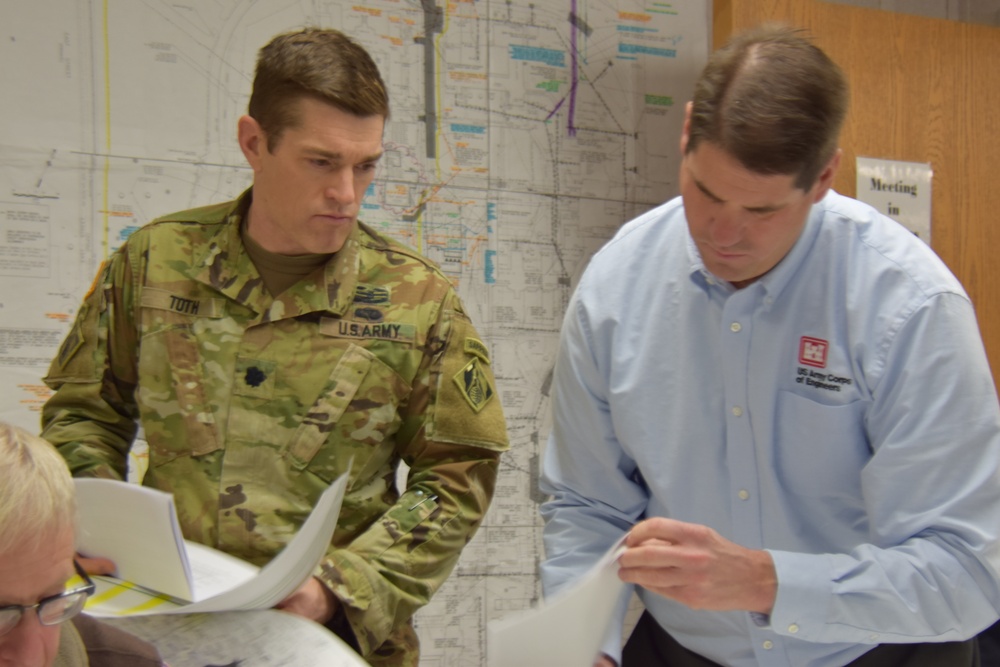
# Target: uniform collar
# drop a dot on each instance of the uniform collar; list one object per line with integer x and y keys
{"x": 226, "y": 266}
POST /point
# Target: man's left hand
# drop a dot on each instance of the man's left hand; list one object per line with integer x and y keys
{"x": 312, "y": 600}
{"x": 97, "y": 565}
{"x": 697, "y": 567}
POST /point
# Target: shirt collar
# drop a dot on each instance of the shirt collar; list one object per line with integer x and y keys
{"x": 226, "y": 266}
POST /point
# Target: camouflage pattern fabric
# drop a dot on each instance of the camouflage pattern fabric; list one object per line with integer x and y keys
{"x": 252, "y": 405}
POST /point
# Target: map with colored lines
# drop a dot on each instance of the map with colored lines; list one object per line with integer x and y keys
{"x": 522, "y": 134}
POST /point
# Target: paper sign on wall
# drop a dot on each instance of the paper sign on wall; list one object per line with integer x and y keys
{"x": 900, "y": 190}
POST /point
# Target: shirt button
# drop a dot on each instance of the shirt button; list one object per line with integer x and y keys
{"x": 735, "y": 327}
{"x": 768, "y": 644}
{"x": 743, "y": 494}
{"x": 793, "y": 628}
{"x": 737, "y": 411}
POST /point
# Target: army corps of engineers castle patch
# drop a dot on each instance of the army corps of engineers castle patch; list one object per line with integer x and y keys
{"x": 474, "y": 384}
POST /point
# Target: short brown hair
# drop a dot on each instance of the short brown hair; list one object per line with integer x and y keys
{"x": 773, "y": 101}
{"x": 321, "y": 63}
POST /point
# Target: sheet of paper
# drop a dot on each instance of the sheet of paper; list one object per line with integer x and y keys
{"x": 286, "y": 571}
{"x": 137, "y": 528}
{"x": 566, "y": 630}
{"x": 218, "y": 581}
{"x": 215, "y": 572}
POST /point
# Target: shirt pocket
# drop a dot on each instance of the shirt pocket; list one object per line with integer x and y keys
{"x": 820, "y": 450}
{"x": 352, "y": 421}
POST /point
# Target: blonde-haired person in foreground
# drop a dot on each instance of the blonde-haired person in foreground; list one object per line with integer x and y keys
{"x": 37, "y": 545}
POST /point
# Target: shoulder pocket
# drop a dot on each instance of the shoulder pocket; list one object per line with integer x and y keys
{"x": 467, "y": 408}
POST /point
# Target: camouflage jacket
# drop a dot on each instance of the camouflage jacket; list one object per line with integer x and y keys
{"x": 252, "y": 405}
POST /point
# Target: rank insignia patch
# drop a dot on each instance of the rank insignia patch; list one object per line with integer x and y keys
{"x": 474, "y": 385}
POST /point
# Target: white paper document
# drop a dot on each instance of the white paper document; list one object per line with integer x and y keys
{"x": 161, "y": 573}
{"x": 566, "y": 630}
{"x": 137, "y": 528}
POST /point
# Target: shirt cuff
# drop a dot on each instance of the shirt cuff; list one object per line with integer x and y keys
{"x": 804, "y": 593}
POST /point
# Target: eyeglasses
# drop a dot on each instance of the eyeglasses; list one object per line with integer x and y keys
{"x": 52, "y": 610}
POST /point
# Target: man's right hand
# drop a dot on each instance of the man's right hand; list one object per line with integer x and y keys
{"x": 604, "y": 661}
{"x": 696, "y": 566}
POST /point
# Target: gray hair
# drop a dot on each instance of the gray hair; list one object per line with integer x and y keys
{"x": 37, "y": 496}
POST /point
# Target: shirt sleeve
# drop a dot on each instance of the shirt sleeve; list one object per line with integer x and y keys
{"x": 930, "y": 570}
{"x": 595, "y": 491}
{"x": 452, "y": 436}
{"x": 92, "y": 416}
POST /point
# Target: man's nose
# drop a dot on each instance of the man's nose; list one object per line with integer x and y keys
{"x": 727, "y": 227}
{"x": 340, "y": 187}
{"x": 24, "y": 646}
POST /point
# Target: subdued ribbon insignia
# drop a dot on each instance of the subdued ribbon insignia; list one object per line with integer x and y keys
{"x": 474, "y": 384}
{"x": 371, "y": 294}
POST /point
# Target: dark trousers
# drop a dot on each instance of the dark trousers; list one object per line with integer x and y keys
{"x": 989, "y": 646}
{"x": 651, "y": 646}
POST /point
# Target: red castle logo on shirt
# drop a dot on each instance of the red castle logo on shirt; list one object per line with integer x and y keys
{"x": 812, "y": 351}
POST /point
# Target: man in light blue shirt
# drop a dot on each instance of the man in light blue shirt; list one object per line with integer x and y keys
{"x": 782, "y": 397}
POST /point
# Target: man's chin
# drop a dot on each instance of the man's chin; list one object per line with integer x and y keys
{"x": 725, "y": 272}
{"x": 733, "y": 276}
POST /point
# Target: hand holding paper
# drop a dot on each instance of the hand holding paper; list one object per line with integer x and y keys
{"x": 160, "y": 572}
{"x": 313, "y": 600}
{"x": 696, "y": 566}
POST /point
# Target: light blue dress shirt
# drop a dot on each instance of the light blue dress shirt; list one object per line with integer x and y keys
{"x": 838, "y": 412}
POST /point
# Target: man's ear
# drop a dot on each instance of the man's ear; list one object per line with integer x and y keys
{"x": 825, "y": 180}
{"x": 687, "y": 127}
{"x": 252, "y": 140}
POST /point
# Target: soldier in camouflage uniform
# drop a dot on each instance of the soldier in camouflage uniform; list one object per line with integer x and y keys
{"x": 265, "y": 345}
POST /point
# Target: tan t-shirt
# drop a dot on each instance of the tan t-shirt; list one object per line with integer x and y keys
{"x": 279, "y": 272}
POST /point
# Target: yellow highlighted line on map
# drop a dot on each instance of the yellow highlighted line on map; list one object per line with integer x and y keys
{"x": 109, "y": 594}
{"x": 118, "y": 588}
{"x": 151, "y": 603}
